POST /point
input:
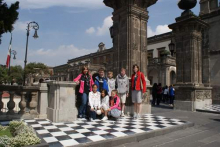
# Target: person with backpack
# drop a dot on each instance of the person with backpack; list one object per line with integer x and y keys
{"x": 122, "y": 85}
{"x": 85, "y": 80}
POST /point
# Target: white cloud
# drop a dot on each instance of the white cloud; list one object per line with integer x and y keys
{"x": 54, "y": 57}
{"x": 90, "y": 30}
{"x": 160, "y": 29}
{"x": 39, "y": 4}
{"x": 20, "y": 26}
{"x": 104, "y": 29}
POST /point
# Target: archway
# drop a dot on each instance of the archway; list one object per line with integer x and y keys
{"x": 172, "y": 77}
{"x": 153, "y": 76}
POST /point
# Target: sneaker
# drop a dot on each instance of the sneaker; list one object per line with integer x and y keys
{"x": 105, "y": 118}
{"x": 122, "y": 114}
{"x": 135, "y": 115}
{"x": 80, "y": 116}
{"x": 138, "y": 115}
{"x": 91, "y": 119}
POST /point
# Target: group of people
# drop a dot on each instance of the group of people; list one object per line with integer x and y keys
{"x": 106, "y": 96}
{"x": 165, "y": 94}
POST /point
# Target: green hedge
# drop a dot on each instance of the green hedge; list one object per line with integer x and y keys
{"x": 23, "y": 135}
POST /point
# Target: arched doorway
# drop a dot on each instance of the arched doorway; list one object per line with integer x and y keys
{"x": 172, "y": 77}
{"x": 153, "y": 76}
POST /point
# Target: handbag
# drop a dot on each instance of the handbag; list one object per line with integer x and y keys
{"x": 142, "y": 87}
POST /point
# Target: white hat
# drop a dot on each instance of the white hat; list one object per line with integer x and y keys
{"x": 98, "y": 112}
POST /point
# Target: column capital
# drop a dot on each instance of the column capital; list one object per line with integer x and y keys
{"x": 117, "y": 4}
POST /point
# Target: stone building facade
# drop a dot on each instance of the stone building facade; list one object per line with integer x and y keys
{"x": 210, "y": 13}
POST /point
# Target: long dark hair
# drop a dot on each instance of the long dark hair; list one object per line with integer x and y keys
{"x": 85, "y": 67}
{"x": 135, "y": 65}
{"x": 105, "y": 91}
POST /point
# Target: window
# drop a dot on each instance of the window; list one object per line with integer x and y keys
{"x": 150, "y": 54}
{"x": 95, "y": 60}
{"x": 160, "y": 52}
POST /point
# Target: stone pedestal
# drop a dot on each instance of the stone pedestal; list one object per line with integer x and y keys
{"x": 190, "y": 98}
{"x": 190, "y": 94}
{"x": 62, "y": 102}
{"x": 43, "y": 101}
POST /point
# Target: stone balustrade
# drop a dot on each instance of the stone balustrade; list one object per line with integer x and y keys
{"x": 166, "y": 60}
{"x": 27, "y": 106}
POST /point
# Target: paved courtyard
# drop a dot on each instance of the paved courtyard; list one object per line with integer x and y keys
{"x": 205, "y": 133}
{"x": 84, "y": 132}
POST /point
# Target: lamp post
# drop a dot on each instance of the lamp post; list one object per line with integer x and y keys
{"x": 13, "y": 52}
{"x": 172, "y": 47}
{"x": 34, "y": 26}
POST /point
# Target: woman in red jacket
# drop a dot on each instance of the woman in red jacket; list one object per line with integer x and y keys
{"x": 138, "y": 84}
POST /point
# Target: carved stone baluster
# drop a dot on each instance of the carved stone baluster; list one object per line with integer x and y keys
{"x": 33, "y": 103}
{"x": 1, "y": 102}
{"x": 22, "y": 104}
{"x": 11, "y": 103}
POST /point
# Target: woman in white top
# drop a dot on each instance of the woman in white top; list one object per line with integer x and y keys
{"x": 94, "y": 102}
{"x": 166, "y": 94}
{"x": 104, "y": 104}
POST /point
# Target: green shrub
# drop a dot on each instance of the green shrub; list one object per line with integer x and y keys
{"x": 23, "y": 135}
{"x": 4, "y": 141}
{"x": 24, "y": 140}
{"x": 13, "y": 125}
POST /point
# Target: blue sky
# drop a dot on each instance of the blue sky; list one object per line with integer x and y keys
{"x": 71, "y": 28}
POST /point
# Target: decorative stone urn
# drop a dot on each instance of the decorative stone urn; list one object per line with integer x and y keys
{"x": 187, "y": 4}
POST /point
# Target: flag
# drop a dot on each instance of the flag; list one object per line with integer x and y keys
{"x": 9, "y": 54}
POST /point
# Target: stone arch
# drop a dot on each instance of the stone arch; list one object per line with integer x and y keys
{"x": 153, "y": 76}
{"x": 172, "y": 77}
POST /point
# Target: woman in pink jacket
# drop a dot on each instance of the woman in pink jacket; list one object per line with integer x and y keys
{"x": 85, "y": 80}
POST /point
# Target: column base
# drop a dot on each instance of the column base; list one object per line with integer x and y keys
{"x": 62, "y": 115}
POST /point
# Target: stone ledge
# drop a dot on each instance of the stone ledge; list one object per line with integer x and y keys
{"x": 136, "y": 137}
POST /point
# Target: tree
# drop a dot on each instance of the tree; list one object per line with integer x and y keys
{"x": 4, "y": 78}
{"x": 17, "y": 74}
{"x": 8, "y": 16}
{"x": 32, "y": 68}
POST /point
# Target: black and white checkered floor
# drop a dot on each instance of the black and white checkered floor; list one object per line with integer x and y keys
{"x": 214, "y": 108}
{"x": 83, "y": 131}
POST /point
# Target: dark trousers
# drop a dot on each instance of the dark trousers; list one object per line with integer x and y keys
{"x": 171, "y": 99}
{"x": 154, "y": 99}
{"x": 159, "y": 96}
{"x": 165, "y": 98}
{"x": 84, "y": 104}
{"x": 92, "y": 114}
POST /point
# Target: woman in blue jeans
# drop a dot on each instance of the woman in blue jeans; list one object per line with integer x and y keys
{"x": 85, "y": 80}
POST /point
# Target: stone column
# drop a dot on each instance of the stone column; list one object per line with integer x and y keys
{"x": 130, "y": 33}
{"x": 191, "y": 94}
{"x": 43, "y": 101}
{"x": 130, "y": 38}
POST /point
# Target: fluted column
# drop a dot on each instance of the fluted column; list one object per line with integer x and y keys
{"x": 11, "y": 103}
{"x": 22, "y": 104}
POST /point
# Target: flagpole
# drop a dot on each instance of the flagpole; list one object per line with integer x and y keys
{"x": 9, "y": 67}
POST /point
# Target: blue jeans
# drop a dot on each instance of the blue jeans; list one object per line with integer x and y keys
{"x": 83, "y": 107}
{"x": 92, "y": 114}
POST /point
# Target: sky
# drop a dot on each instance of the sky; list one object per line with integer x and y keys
{"x": 72, "y": 28}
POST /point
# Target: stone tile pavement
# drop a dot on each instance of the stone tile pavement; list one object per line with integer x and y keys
{"x": 205, "y": 133}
